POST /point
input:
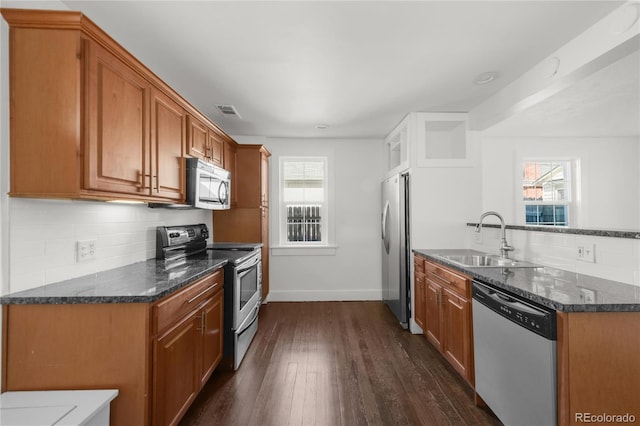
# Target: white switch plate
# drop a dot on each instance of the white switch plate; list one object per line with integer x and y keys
{"x": 586, "y": 253}
{"x": 85, "y": 250}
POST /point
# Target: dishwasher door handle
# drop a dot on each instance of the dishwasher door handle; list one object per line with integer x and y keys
{"x": 506, "y": 300}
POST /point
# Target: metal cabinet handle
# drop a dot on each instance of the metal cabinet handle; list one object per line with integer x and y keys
{"x": 200, "y": 294}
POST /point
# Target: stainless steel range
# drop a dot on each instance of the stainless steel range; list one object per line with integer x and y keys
{"x": 243, "y": 274}
{"x": 242, "y": 280}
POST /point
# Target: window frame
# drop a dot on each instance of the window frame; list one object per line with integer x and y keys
{"x": 571, "y": 189}
{"x": 282, "y": 208}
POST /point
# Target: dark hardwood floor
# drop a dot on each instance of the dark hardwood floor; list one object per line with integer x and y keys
{"x": 337, "y": 363}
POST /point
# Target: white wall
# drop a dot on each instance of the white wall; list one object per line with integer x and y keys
{"x": 443, "y": 200}
{"x": 608, "y": 189}
{"x": 609, "y": 177}
{"x": 353, "y": 271}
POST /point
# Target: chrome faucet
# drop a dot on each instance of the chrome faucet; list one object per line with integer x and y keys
{"x": 504, "y": 247}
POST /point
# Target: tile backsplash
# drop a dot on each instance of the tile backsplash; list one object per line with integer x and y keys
{"x": 616, "y": 259}
{"x": 43, "y": 236}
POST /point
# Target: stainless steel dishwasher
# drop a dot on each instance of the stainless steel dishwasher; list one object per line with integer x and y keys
{"x": 515, "y": 357}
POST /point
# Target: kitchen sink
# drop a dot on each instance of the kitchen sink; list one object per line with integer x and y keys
{"x": 487, "y": 261}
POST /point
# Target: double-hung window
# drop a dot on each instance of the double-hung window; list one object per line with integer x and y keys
{"x": 546, "y": 192}
{"x": 303, "y": 201}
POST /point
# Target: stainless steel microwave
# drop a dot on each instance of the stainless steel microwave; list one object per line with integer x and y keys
{"x": 208, "y": 186}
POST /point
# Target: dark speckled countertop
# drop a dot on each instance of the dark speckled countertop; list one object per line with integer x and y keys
{"x": 558, "y": 289}
{"x": 141, "y": 282}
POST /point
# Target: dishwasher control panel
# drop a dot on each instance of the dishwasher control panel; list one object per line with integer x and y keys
{"x": 540, "y": 320}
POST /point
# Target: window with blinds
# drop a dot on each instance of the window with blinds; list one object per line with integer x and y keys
{"x": 303, "y": 202}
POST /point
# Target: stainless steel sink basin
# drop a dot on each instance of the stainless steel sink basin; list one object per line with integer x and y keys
{"x": 487, "y": 261}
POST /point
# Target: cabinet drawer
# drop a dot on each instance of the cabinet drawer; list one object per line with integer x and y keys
{"x": 418, "y": 264}
{"x": 174, "y": 306}
{"x": 452, "y": 280}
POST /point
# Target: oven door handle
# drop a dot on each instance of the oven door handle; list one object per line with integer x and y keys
{"x": 253, "y": 263}
{"x": 248, "y": 322}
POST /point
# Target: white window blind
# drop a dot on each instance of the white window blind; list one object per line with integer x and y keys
{"x": 303, "y": 204}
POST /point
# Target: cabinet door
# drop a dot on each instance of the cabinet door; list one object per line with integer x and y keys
{"x": 168, "y": 133}
{"x": 198, "y": 138}
{"x": 117, "y": 148}
{"x": 420, "y": 302}
{"x": 456, "y": 342}
{"x": 433, "y": 315}
{"x": 216, "y": 149}
{"x": 175, "y": 370}
{"x": 264, "y": 180}
{"x": 212, "y": 336}
{"x": 253, "y": 176}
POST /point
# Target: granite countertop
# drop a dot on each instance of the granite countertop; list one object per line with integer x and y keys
{"x": 555, "y": 288}
{"x": 142, "y": 282}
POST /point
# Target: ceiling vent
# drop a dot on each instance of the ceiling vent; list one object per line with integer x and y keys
{"x": 228, "y": 111}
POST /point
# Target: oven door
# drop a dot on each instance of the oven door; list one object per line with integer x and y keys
{"x": 248, "y": 289}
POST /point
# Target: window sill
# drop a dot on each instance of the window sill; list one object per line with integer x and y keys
{"x": 329, "y": 250}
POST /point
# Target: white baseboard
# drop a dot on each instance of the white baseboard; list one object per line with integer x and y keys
{"x": 323, "y": 295}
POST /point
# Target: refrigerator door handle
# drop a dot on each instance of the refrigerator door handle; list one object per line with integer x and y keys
{"x": 385, "y": 217}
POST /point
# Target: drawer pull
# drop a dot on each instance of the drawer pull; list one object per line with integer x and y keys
{"x": 200, "y": 294}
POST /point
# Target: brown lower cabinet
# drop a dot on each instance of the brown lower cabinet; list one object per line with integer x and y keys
{"x": 598, "y": 366}
{"x": 443, "y": 305}
{"x": 158, "y": 355}
{"x": 420, "y": 301}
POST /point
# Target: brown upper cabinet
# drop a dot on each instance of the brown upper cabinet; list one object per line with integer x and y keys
{"x": 168, "y": 135}
{"x": 252, "y": 164}
{"x": 216, "y": 149}
{"x": 205, "y": 143}
{"x": 88, "y": 120}
{"x": 198, "y": 138}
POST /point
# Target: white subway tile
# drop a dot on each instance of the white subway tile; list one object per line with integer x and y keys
{"x": 43, "y": 234}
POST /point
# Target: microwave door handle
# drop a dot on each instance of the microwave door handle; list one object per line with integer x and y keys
{"x": 223, "y": 196}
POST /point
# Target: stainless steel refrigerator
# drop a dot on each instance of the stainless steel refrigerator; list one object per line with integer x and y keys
{"x": 395, "y": 246}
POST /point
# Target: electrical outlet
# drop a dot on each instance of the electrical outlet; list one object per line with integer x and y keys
{"x": 477, "y": 237}
{"x": 587, "y": 295}
{"x": 85, "y": 250}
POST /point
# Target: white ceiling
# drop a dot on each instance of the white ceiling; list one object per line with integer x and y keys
{"x": 358, "y": 66}
{"x": 606, "y": 103}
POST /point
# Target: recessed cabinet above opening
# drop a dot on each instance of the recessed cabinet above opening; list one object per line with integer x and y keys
{"x": 397, "y": 147}
{"x": 441, "y": 137}
{"x": 430, "y": 139}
